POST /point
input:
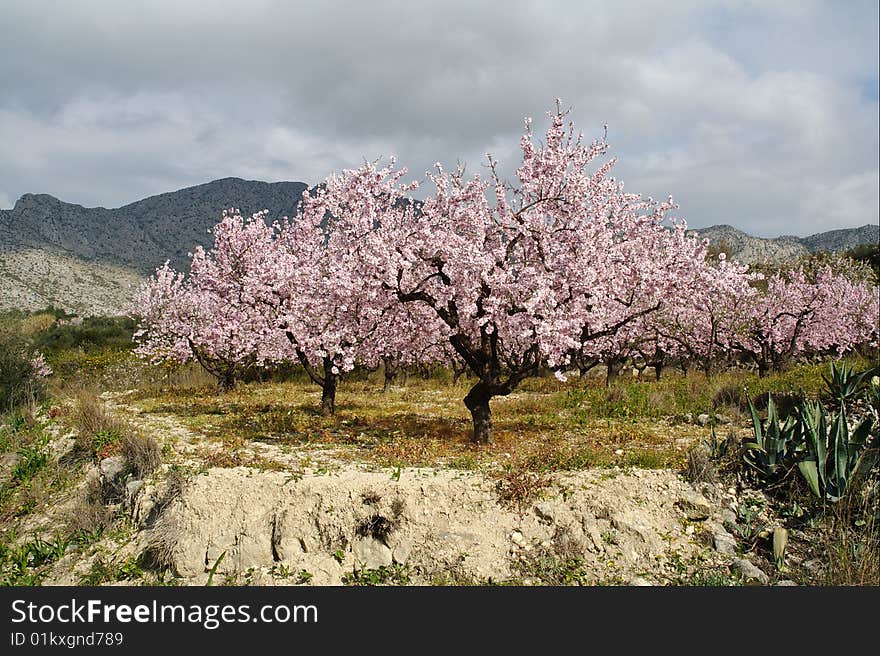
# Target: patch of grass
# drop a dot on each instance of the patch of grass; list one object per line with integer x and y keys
{"x": 395, "y": 574}
{"x": 850, "y": 545}
{"x": 519, "y": 488}
{"x": 103, "y": 571}
{"x": 142, "y": 454}
{"x": 561, "y": 563}
{"x": 89, "y": 517}
{"x": 543, "y": 567}
{"x": 544, "y": 426}
{"x": 25, "y": 564}
{"x": 98, "y": 432}
{"x": 32, "y": 458}
{"x": 698, "y": 572}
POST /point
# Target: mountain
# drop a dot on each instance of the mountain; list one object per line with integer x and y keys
{"x": 751, "y": 250}
{"x": 88, "y": 260}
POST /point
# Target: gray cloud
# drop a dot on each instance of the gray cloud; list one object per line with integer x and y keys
{"x": 754, "y": 114}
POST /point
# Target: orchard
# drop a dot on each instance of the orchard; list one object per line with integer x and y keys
{"x": 560, "y": 270}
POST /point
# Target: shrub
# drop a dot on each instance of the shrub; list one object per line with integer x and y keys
{"x": 22, "y": 374}
{"x": 89, "y": 517}
{"x": 98, "y": 432}
{"x": 141, "y": 453}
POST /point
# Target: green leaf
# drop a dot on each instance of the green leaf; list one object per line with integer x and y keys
{"x": 811, "y": 474}
{"x": 213, "y": 571}
{"x": 756, "y": 425}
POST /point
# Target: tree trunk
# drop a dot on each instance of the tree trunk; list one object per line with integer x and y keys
{"x": 328, "y": 389}
{"x": 390, "y": 371}
{"x": 612, "y": 370}
{"x": 658, "y": 371}
{"x": 477, "y": 401}
{"x": 226, "y": 380}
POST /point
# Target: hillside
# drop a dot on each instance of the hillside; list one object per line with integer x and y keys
{"x": 750, "y": 250}
{"x": 89, "y": 259}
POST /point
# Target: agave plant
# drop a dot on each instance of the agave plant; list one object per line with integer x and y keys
{"x": 844, "y": 383}
{"x": 835, "y": 456}
{"x": 772, "y": 453}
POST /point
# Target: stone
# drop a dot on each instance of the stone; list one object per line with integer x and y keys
{"x": 402, "y": 550}
{"x": 133, "y": 487}
{"x": 724, "y": 543}
{"x": 750, "y": 571}
{"x": 638, "y": 581}
{"x": 596, "y": 538}
{"x": 695, "y": 506}
{"x": 785, "y": 583}
{"x": 545, "y": 511}
{"x": 517, "y": 538}
{"x": 370, "y": 553}
{"x": 111, "y": 468}
{"x": 723, "y": 419}
{"x": 703, "y": 419}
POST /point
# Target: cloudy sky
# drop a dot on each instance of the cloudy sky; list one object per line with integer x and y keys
{"x": 763, "y": 115}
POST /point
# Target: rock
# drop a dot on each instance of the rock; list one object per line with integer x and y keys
{"x": 402, "y": 550}
{"x": 370, "y": 553}
{"x": 639, "y": 582}
{"x": 703, "y": 419}
{"x": 750, "y": 571}
{"x": 728, "y": 517}
{"x": 723, "y": 419}
{"x": 595, "y": 538}
{"x": 111, "y": 468}
{"x": 724, "y": 543}
{"x": 112, "y": 483}
{"x": 695, "y": 506}
{"x": 785, "y": 583}
{"x": 517, "y": 538}
{"x": 133, "y": 487}
{"x": 688, "y": 418}
{"x": 636, "y": 533}
{"x": 8, "y": 463}
{"x": 545, "y": 511}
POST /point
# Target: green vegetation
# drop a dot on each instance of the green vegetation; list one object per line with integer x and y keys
{"x": 92, "y": 334}
{"x": 832, "y": 456}
{"x": 391, "y": 575}
{"x": 25, "y": 564}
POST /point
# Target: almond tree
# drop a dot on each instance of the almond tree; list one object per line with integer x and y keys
{"x": 701, "y": 325}
{"x": 794, "y": 316}
{"x": 209, "y": 316}
{"x": 527, "y": 277}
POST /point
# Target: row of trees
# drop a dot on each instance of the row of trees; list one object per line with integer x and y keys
{"x": 561, "y": 269}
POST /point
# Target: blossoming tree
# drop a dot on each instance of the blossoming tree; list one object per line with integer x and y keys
{"x": 523, "y": 279}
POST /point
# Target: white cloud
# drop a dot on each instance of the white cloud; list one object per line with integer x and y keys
{"x": 752, "y": 114}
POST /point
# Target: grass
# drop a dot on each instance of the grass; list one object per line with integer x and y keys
{"x": 544, "y": 426}
{"x": 25, "y": 563}
{"x": 386, "y": 575}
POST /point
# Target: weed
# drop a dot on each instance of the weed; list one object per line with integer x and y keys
{"x": 141, "y": 453}
{"x": 519, "y": 488}
{"x": 395, "y": 574}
